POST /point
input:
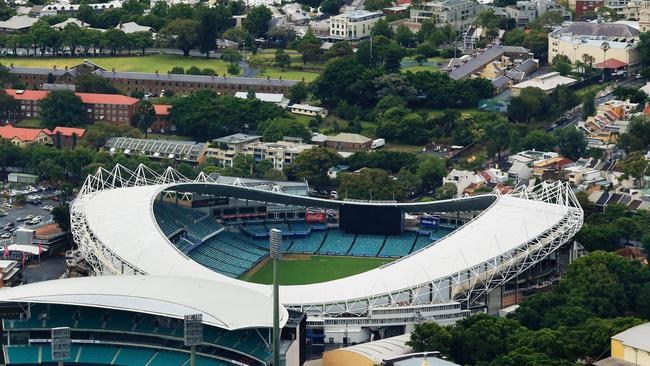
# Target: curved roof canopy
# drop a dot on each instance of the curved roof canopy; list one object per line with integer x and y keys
{"x": 122, "y": 219}
{"x": 222, "y": 305}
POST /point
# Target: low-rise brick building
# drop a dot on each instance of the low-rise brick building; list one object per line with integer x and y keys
{"x": 113, "y": 108}
{"x": 154, "y": 83}
{"x": 67, "y": 136}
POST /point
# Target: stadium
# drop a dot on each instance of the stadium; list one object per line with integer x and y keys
{"x": 138, "y": 321}
{"x": 358, "y": 270}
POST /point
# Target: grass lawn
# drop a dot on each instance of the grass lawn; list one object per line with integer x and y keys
{"x": 31, "y": 123}
{"x": 305, "y": 269}
{"x": 419, "y": 68}
{"x": 275, "y": 73}
{"x": 591, "y": 88}
{"x": 162, "y": 63}
{"x": 164, "y": 136}
{"x": 402, "y": 147}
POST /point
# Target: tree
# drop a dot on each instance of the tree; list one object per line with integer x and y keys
{"x": 331, "y": 7}
{"x": 231, "y": 56}
{"x": 644, "y": 48}
{"x": 63, "y": 108}
{"x": 141, "y": 40}
{"x": 181, "y": 34}
{"x": 373, "y": 184}
{"x": 211, "y": 23}
{"x": 116, "y": 40}
{"x": 313, "y": 165}
{"x": 298, "y": 92}
{"x": 382, "y": 28}
{"x": 538, "y": 140}
{"x": 635, "y": 95}
{"x": 571, "y": 142}
{"x": 530, "y": 103}
{"x": 404, "y": 36}
{"x": 336, "y": 80}
{"x": 431, "y": 170}
{"x": 562, "y": 64}
{"x": 282, "y": 60}
{"x": 98, "y": 133}
{"x": 258, "y": 20}
{"x": 374, "y": 5}
{"x": 309, "y": 47}
{"x": 144, "y": 116}
{"x": 447, "y": 191}
{"x": 92, "y": 83}
{"x": 276, "y": 129}
{"x": 588, "y": 105}
{"x": 282, "y": 34}
{"x": 71, "y": 35}
{"x": 8, "y": 105}
{"x": 61, "y": 216}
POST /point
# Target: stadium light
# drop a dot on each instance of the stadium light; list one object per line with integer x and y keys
{"x": 275, "y": 247}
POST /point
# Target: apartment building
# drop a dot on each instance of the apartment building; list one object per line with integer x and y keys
{"x": 280, "y": 153}
{"x": 584, "y": 38}
{"x": 524, "y": 12}
{"x": 459, "y": 14}
{"x": 353, "y": 25}
{"x": 113, "y": 108}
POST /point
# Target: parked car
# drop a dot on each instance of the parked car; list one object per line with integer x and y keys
{"x": 5, "y": 236}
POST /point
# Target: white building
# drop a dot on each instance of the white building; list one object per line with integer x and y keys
{"x": 224, "y": 150}
{"x": 520, "y": 171}
{"x": 275, "y": 98}
{"x": 547, "y": 82}
{"x": 524, "y": 12}
{"x": 459, "y": 14}
{"x": 582, "y": 38}
{"x": 307, "y": 110}
{"x": 461, "y": 179}
{"x": 353, "y": 25}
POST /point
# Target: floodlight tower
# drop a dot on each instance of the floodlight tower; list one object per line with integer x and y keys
{"x": 275, "y": 245}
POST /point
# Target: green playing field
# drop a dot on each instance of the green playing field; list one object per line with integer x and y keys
{"x": 305, "y": 269}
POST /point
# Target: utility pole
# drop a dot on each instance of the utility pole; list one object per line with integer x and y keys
{"x": 275, "y": 248}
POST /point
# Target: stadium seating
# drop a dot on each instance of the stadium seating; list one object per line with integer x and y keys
{"x": 336, "y": 243}
{"x": 440, "y": 233}
{"x": 307, "y": 244}
{"x": 173, "y": 218}
{"x": 98, "y": 354}
{"x": 421, "y": 242}
{"x": 398, "y": 246}
{"x": 367, "y": 245}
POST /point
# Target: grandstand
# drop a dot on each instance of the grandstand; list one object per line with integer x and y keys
{"x": 137, "y": 321}
{"x": 503, "y": 236}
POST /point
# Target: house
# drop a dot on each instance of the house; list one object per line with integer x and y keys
{"x": 77, "y": 22}
{"x": 162, "y": 123}
{"x": 17, "y": 24}
{"x": 133, "y": 27}
{"x": 630, "y": 347}
{"x": 347, "y": 142}
{"x": 67, "y": 136}
{"x": 520, "y": 171}
{"x": 462, "y": 179}
{"x": 24, "y": 136}
{"x": 308, "y": 110}
{"x": 547, "y": 82}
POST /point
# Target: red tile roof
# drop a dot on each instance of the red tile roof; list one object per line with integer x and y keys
{"x": 162, "y": 109}
{"x": 116, "y": 99}
{"x": 69, "y": 131}
{"x": 612, "y": 63}
{"x": 27, "y": 94}
{"x": 23, "y": 134}
{"x": 88, "y": 98}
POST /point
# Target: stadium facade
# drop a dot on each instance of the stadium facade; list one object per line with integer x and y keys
{"x": 130, "y": 222}
{"x": 139, "y": 320}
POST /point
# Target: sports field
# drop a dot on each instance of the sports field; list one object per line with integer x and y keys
{"x": 306, "y": 269}
{"x": 161, "y": 63}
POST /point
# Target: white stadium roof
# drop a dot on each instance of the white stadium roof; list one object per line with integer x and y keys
{"x": 221, "y": 304}
{"x": 122, "y": 220}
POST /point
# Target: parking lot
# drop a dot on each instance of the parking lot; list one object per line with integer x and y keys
{"x": 27, "y": 214}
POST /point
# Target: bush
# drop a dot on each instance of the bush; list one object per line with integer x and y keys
{"x": 234, "y": 69}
